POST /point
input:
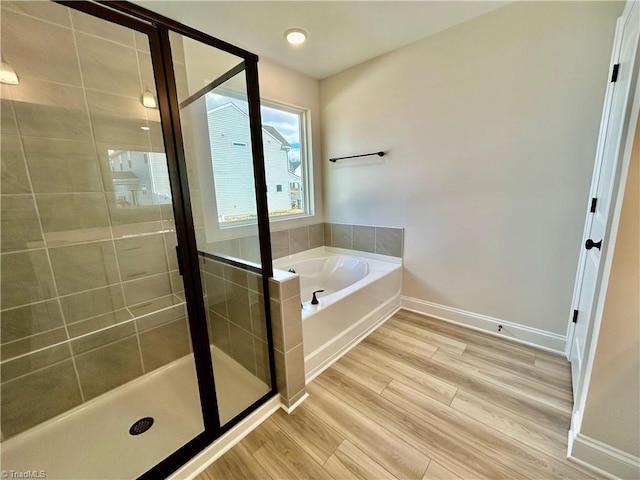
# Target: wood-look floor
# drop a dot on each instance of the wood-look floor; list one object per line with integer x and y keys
{"x": 420, "y": 399}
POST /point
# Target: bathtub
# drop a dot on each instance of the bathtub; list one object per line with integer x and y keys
{"x": 361, "y": 291}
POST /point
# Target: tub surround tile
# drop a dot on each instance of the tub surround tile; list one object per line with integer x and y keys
{"x": 14, "y": 171}
{"x": 280, "y": 243}
{"x": 341, "y": 236}
{"x": 290, "y": 287}
{"x": 316, "y": 235}
{"x": 216, "y": 295}
{"x": 19, "y": 223}
{"x": 281, "y": 375}
{"x": 292, "y": 322}
{"x": 364, "y": 239}
{"x": 326, "y": 227}
{"x": 107, "y": 367}
{"x": 263, "y": 370}
{"x": 164, "y": 344}
{"x": 389, "y": 241}
{"x": 220, "y": 334}
{"x": 212, "y": 267}
{"x": 295, "y": 371}
{"x": 254, "y": 282}
{"x": 34, "y": 398}
{"x": 277, "y": 327}
{"x": 242, "y": 347}
{"x": 29, "y": 320}
{"x": 82, "y": 267}
{"x": 26, "y": 278}
{"x": 298, "y": 240}
{"x": 258, "y": 320}
{"x": 238, "y": 305}
{"x": 235, "y": 275}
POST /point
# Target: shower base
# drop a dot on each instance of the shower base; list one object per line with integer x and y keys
{"x": 93, "y": 441}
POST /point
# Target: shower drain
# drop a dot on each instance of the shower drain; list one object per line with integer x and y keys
{"x": 141, "y": 426}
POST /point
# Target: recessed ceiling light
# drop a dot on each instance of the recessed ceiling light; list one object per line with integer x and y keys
{"x": 146, "y": 129}
{"x": 295, "y": 36}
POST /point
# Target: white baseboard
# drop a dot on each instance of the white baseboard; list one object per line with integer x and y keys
{"x": 206, "y": 457}
{"x": 518, "y": 333}
{"x": 295, "y": 405}
{"x": 603, "y": 459}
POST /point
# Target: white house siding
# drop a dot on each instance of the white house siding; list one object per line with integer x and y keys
{"x": 275, "y": 160}
{"x": 233, "y": 166}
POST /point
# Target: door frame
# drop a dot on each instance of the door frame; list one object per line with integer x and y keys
{"x": 620, "y": 176}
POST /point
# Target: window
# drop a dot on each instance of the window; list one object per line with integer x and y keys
{"x": 286, "y": 164}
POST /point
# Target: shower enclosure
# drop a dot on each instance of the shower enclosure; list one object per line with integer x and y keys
{"x": 128, "y": 342}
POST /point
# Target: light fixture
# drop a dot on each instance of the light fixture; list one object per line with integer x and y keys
{"x": 295, "y": 36}
{"x": 148, "y": 99}
{"x": 8, "y": 74}
{"x": 145, "y": 128}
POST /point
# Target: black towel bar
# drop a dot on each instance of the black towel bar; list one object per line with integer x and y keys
{"x": 335, "y": 159}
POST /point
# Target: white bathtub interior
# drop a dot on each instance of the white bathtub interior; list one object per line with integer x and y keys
{"x": 361, "y": 291}
{"x": 93, "y": 440}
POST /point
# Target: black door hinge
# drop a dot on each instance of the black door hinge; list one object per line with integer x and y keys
{"x": 575, "y": 316}
{"x": 179, "y": 257}
{"x": 614, "y": 74}
{"x": 594, "y": 203}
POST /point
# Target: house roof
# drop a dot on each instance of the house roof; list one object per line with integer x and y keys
{"x": 275, "y": 133}
{"x": 268, "y": 129}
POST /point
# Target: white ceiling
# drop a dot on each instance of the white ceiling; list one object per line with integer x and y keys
{"x": 341, "y": 34}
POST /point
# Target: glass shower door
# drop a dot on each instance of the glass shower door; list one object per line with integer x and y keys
{"x": 97, "y": 370}
{"x": 219, "y": 152}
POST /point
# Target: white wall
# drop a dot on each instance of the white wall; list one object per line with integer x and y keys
{"x": 490, "y": 129}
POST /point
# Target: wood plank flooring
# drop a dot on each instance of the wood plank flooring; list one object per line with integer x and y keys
{"x": 420, "y": 399}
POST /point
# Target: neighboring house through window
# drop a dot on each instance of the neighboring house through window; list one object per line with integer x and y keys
{"x": 285, "y": 161}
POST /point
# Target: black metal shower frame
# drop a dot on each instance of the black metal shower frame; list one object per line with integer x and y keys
{"x": 157, "y": 28}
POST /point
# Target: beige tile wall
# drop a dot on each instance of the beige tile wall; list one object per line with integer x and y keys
{"x": 91, "y": 297}
{"x": 235, "y": 309}
{"x": 286, "y": 321}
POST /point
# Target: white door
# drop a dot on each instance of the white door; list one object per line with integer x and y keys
{"x": 604, "y": 184}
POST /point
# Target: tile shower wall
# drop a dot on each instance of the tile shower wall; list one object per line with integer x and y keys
{"x": 90, "y": 293}
{"x": 381, "y": 240}
{"x": 235, "y": 313}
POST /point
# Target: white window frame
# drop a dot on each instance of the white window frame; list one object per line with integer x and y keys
{"x": 306, "y": 178}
